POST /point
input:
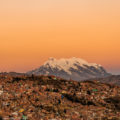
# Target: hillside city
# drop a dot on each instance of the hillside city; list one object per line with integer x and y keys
{"x": 44, "y": 97}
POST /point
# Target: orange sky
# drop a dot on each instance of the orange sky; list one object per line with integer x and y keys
{"x": 31, "y": 31}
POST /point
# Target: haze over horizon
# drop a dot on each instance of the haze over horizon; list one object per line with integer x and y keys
{"x": 32, "y": 31}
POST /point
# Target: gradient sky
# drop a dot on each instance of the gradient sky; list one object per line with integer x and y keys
{"x": 31, "y": 31}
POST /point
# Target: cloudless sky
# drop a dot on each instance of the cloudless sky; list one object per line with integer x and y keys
{"x": 31, "y": 31}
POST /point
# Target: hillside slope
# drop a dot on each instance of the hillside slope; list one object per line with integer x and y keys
{"x": 51, "y": 98}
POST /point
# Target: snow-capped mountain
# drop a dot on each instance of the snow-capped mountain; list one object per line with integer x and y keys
{"x": 72, "y": 68}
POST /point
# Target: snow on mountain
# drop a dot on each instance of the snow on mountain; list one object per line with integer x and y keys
{"x": 74, "y": 68}
{"x": 66, "y": 64}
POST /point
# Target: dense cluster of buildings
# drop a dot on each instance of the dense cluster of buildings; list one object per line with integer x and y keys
{"x": 51, "y": 98}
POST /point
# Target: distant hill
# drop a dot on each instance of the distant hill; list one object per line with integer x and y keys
{"x": 12, "y": 73}
{"x": 73, "y": 68}
{"x": 113, "y": 79}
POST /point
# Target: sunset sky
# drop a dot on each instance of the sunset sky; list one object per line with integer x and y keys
{"x": 31, "y": 31}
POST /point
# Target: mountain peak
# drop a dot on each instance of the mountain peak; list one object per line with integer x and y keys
{"x": 76, "y": 68}
{"x": 51, "y": 59}
{"x": 68, "y": 62}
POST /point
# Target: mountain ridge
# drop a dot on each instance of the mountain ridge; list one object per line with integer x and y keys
{"x": 71, "y": 68}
